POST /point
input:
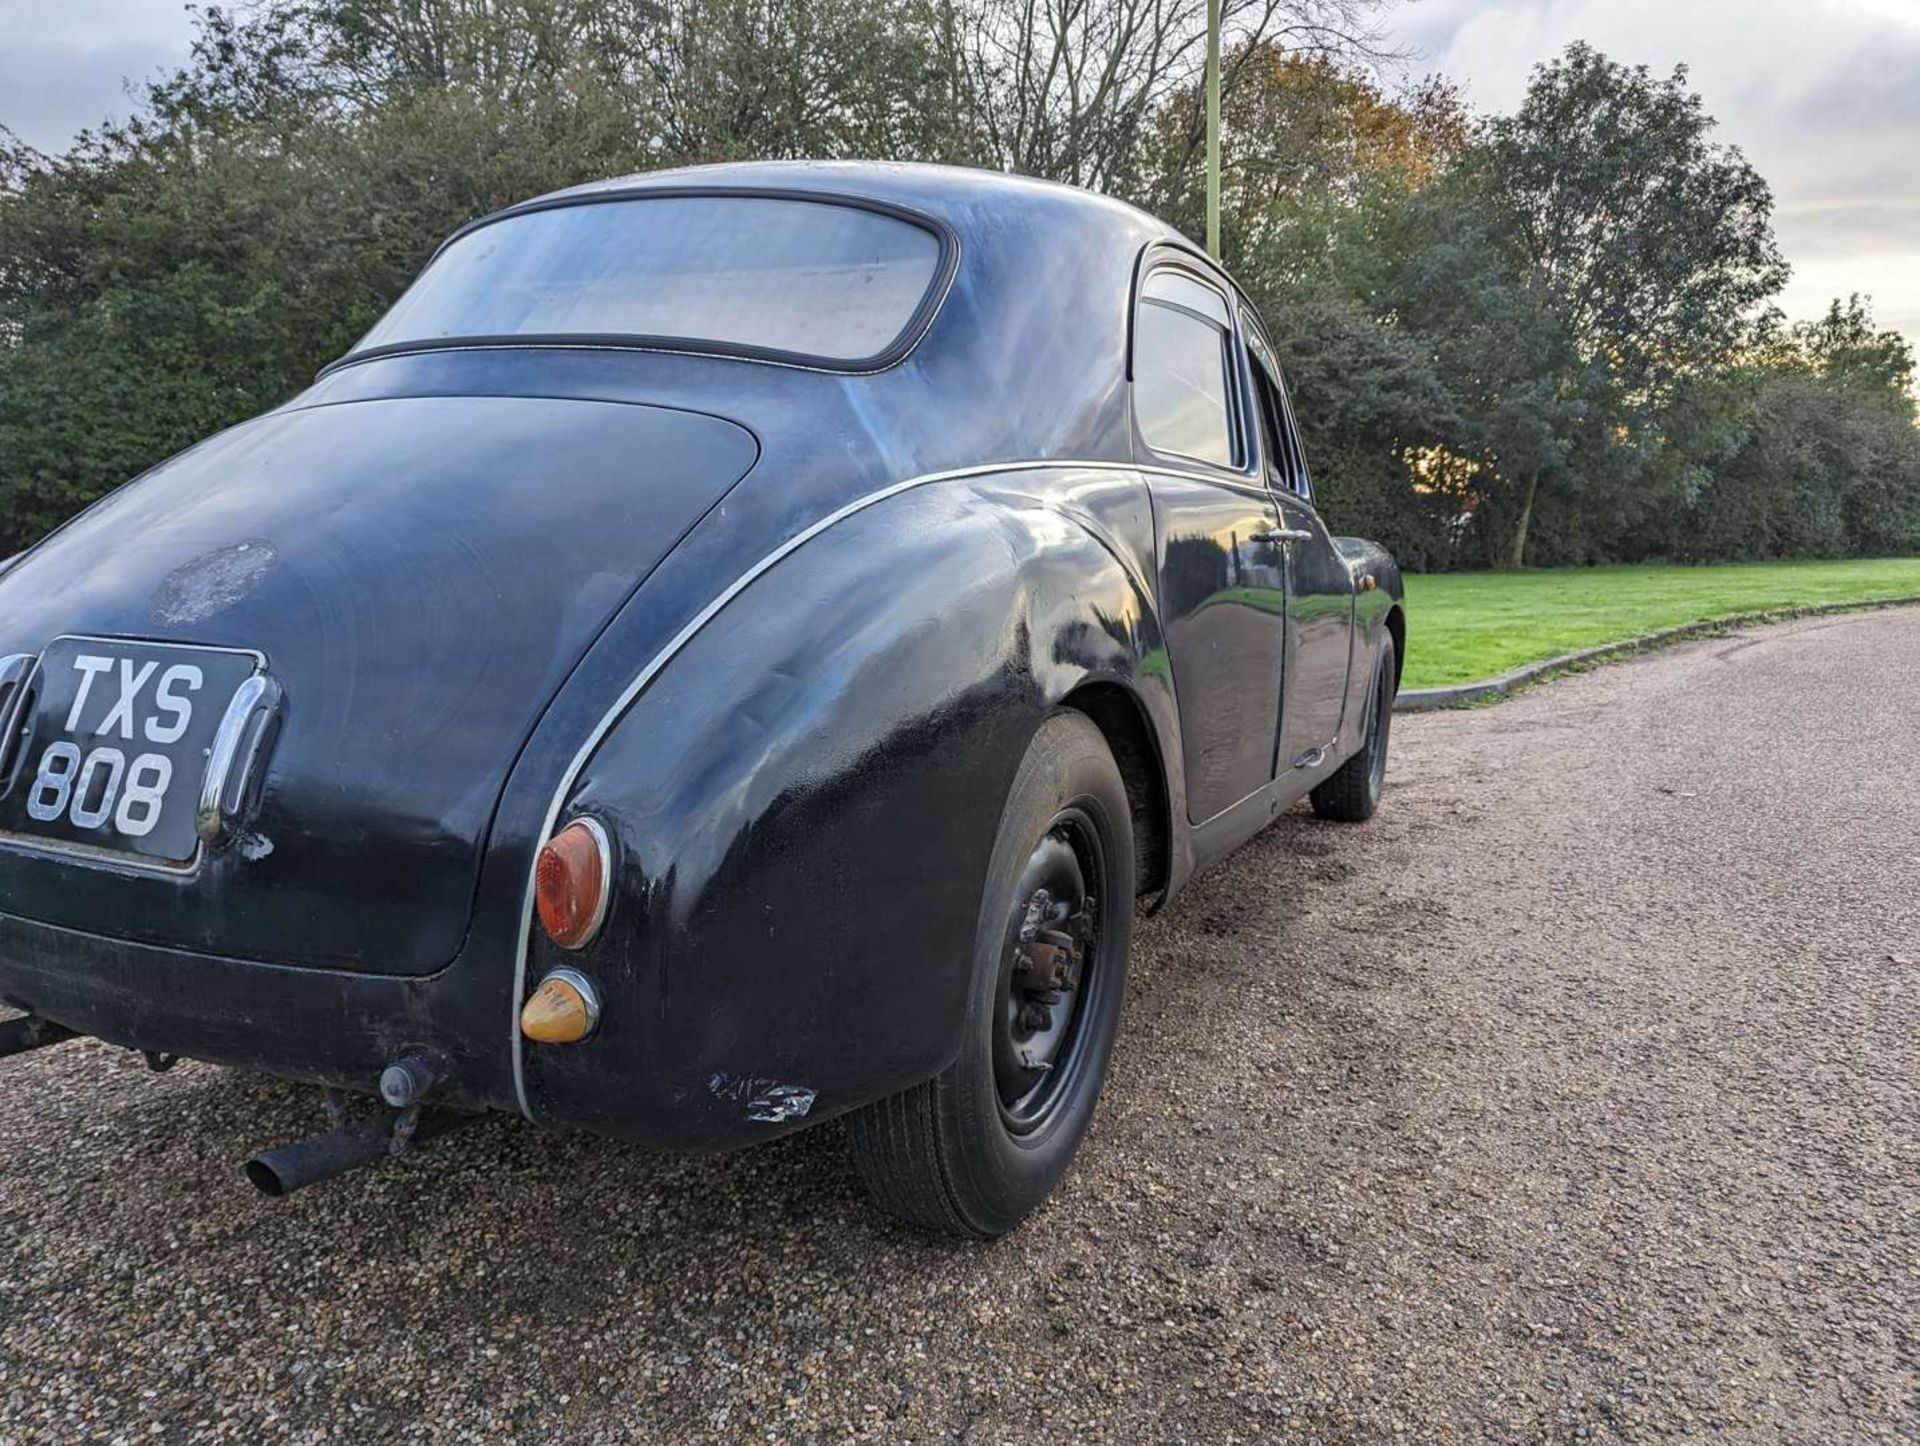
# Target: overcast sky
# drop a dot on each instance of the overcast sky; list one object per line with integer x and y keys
{"x": 1823, "y": 95}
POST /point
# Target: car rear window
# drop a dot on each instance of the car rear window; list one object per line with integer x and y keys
{"x": 753, "y": 274}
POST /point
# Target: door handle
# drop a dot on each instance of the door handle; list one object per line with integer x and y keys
{"x": 1283, "y": 534}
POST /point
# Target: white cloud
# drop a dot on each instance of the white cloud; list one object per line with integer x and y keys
{"x": 1901, "y": 12}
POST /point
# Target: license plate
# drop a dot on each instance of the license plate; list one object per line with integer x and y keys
{"x": 116, "y": 745}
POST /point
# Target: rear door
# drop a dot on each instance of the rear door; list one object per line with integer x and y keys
{"x": 1222, "y": 570}
{"x": 1318, "y": 581}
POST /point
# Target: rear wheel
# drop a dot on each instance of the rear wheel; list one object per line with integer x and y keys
{"x": 1353, "y": 792}
{"x": 974, "y": 1150}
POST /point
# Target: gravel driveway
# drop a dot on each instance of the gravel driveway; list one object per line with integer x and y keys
{"x": 1578, "y": 1095}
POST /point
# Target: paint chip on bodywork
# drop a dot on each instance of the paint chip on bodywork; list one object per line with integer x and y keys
{"x": 766, "y": 1101}
{"x": 212, "y": 582}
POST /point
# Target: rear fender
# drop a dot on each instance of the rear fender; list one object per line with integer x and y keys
{"x": 804, "y": 799}
{"x": 1373, "y": 606}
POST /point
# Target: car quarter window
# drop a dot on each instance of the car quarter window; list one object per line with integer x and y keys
{"x": 1286, "y": 464}
{"x": 1183, "y": 395}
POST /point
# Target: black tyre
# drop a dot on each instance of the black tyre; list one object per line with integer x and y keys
{"x": 974, "y": 1150}
{"x": 1353, "y": 793}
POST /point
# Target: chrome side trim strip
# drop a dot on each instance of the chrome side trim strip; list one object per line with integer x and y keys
{"x": 686, "y": 634}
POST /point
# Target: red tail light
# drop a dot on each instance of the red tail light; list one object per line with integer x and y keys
{"x": 571, "y": 883}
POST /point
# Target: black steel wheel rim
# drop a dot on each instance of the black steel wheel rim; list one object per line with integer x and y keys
{"x": 1052, "y": 975}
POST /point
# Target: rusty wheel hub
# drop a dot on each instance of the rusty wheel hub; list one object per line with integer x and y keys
{"x": 1050, "y": 946}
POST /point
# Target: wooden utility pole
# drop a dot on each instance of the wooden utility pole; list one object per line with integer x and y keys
{"x": 1213, "y": 128}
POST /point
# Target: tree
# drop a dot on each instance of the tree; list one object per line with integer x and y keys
{"x": 1381, "y": 426}
{"x": 1650, "y": 244}
{"x": 1845, "y": 346}
{"x": 772, "y": 79}
{"x": 1070, "y": 89}
{"x": 1550, "y": 323}
{"x": 1819, "y": 456}
{"x": 1307, "y": 139}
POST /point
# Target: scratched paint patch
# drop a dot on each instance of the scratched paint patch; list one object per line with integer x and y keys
{"x": 766, "y": 1101}
{"x": 253, "y": 845}
{"x": 212, "y": 582}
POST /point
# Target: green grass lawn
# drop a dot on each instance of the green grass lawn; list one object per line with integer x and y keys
{"x": 1466, "y": 626}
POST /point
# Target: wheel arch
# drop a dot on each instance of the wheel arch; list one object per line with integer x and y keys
{"x": 1397, "y": 630}
{"x": 1122, "y": 720}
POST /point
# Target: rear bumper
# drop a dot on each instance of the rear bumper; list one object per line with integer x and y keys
{"x": 637, "y": 1078}
{"x": 317, "y": 1025}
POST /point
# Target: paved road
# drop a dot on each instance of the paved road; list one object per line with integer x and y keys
{"x": 1575, "y": 1096}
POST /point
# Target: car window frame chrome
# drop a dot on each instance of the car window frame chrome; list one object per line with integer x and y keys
{"x": 1161, "y": 255}
{"x": 1298, "y": 475}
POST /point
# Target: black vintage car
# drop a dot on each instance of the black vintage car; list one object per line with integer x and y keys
{"x": 730, "y": 647}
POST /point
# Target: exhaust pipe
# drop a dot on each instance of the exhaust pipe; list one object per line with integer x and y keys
{"x": 30, "y": 1031}
{"x": 287, "y": 1168}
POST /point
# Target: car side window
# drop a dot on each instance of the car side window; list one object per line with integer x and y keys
{"x": 1286, "y": 465}
{"x": 1273, "y": 445}
{"x": 1183, "y": 368}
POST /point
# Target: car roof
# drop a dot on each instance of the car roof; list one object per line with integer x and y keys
{"x": 1025, "y": 353}
{"x": 950, "y": 193}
